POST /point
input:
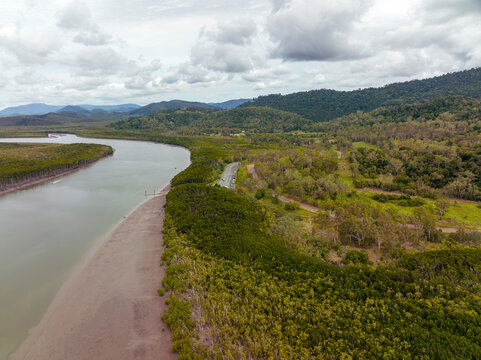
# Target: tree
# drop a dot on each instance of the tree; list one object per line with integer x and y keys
{"x": 426, "y": 221}
{"x": 441, "y": 207}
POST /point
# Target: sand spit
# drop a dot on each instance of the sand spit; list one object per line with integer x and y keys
{"x": 110, "y": 309}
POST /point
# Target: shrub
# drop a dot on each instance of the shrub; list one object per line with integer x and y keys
{"x": 356, "y": 257}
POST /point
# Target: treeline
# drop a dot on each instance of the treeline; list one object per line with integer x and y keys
{"x": 23, "y": 162}
{"x": 325, "y": 105}
{"x": 202, "y": 120}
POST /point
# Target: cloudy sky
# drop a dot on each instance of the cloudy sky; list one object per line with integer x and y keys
{"x": 118, "y": 51}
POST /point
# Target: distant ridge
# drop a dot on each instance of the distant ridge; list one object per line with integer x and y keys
{"x": 230, "y": 104}
{"x": 74, "y": 109}
{"x": 113, "y": 108}
{"x": 167, "y": 105}
{"x": 42, "y": 109}
{"x": 29, "y": 109}
{"x": 131, "y": 109}
{"x": 325, "y": 104}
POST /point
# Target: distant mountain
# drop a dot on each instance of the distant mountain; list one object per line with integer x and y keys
{"x": 131, "y": 109}
{"x": 113, "y": 108}
{"x": 45, "y": 119}
{"x": 167, "y": 105}
{"x": 230, "y": 104}
{"x": 68, "y": 114}
{"x": 324, "y": 105}
{"x": 73, "y": 109}
{"x": 29, "y": 109}
{"x": 41, "y": 109}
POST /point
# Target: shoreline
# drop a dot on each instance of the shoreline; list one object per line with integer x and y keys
{"x": 109, "y": 307}
{"x": 41, "y": 179}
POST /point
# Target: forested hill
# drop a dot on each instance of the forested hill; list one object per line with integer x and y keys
{"x": 324, "y": 105}
{"x": 254, "y": 119}
{"x": 441, "y": 119}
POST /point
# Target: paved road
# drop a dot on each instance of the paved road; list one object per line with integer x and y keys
{"x": 228, "y": 177}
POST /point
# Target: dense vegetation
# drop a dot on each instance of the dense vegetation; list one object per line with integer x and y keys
{"x": 324, "y": 105}
{"x": 23, "y": 162}
{"x": 421, "y": 149}
{"x": 238, "y": 291}
{"x": 202, "y": 120}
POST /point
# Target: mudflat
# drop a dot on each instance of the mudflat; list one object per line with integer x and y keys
{"x": 109, "y": 309}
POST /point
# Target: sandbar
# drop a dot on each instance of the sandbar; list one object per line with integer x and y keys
{"x": 109, "y": 308}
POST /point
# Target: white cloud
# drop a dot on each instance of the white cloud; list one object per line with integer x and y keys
{"x": 325, "y": 31}
{"x": 76, "y": 17}
{"x": 29, "y": 47}
{"x": 69, "y": 51}
{"x": 227, "y": 47}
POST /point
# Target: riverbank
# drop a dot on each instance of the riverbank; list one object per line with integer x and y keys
{"x": 109, "y": 309}
{"x": 25, "y": 184}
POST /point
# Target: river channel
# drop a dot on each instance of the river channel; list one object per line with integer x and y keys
{"x": 48, "y": 229}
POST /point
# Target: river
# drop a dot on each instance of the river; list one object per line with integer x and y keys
{"x": 48, "y": 229}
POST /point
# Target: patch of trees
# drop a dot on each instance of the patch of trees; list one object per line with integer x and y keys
{"x": 299, "y": 172}
{"x": 22, "y": 162}
{"x": 420, "y": 168}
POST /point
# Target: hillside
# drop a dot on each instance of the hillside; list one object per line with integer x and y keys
{"x": 254, "y": 119}
{"x": 420, "y": 149}
{"x": 441, "y": 119}
{"x": 324, "y": 105}
{"x": 166, "y": 105}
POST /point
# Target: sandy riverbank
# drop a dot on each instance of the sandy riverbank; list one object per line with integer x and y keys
{"x": 110, "y": 309}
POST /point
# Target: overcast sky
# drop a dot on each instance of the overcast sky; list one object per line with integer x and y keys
{"x": 142, "y": 51}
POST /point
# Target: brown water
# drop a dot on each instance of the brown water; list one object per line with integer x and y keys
{"x": 46, "y": 230}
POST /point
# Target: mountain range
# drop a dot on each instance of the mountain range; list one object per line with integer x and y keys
{"x": 42, "y": 114}
{"x": 326, "y": 104}
{"x": 131, "y": 109}
{"x": 41, "y": 109}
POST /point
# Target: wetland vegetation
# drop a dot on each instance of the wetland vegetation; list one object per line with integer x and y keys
{"x": 22, "y": 163}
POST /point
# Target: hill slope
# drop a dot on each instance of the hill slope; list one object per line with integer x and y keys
{"x": 166, "y": 105}
{"x": 324, "y": 105}
{"x": 255, "y": 119}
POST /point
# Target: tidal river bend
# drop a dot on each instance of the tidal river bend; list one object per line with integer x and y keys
{"x": 47, "y": 230}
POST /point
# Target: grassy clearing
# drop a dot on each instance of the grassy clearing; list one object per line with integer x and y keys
{"x": 362, "y": 144}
